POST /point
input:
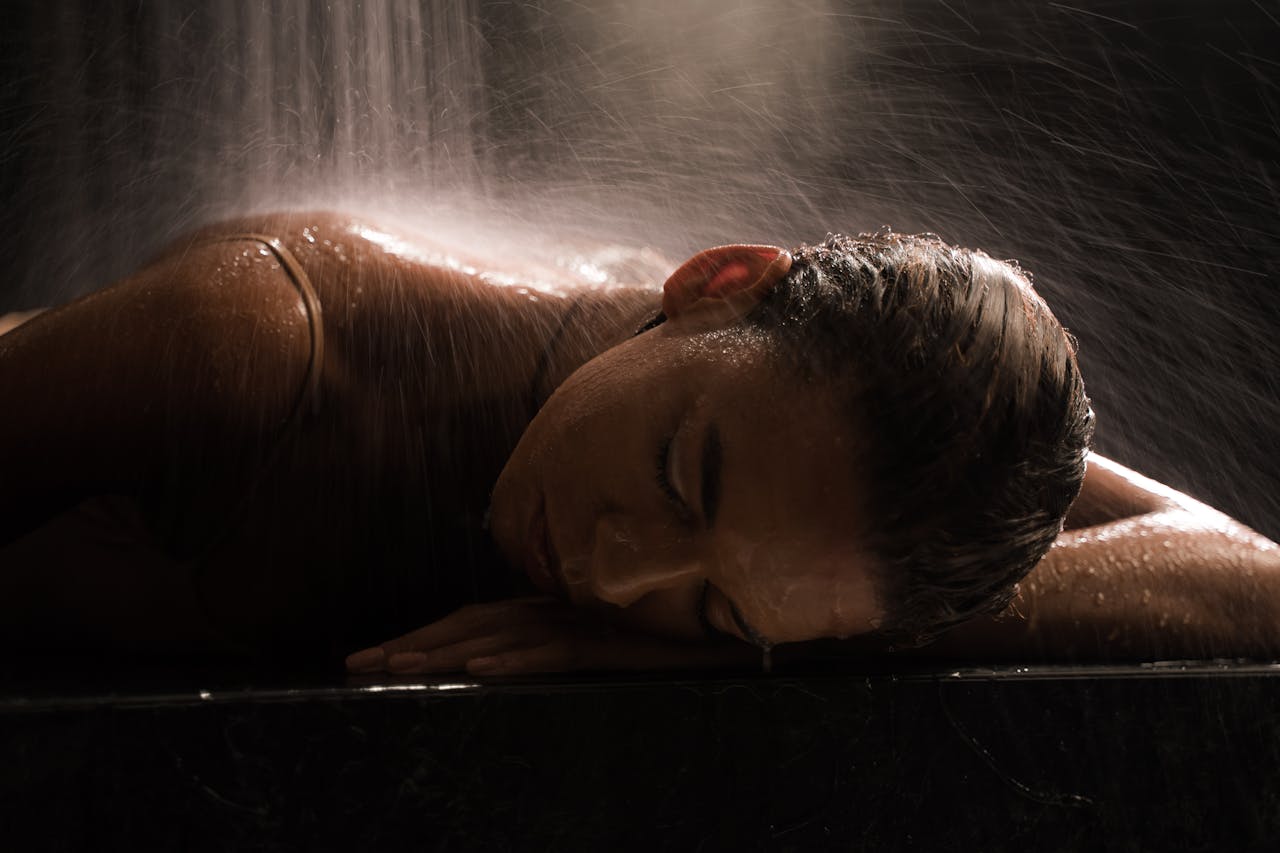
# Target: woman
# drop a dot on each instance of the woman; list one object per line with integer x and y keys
{"x": 283, "y": 437}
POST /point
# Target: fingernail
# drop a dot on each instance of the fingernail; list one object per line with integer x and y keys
{"x": 401, "y": 661}
{"x": 366, "y": 660}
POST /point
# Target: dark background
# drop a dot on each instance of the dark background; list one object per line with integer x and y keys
{"x": 1125, "y": 152}
{"x": 1120, "y": 760}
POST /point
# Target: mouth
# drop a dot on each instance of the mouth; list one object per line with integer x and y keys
{"x": 541, "y": 563}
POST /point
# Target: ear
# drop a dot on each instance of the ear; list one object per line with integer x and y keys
{"x": 721, "y": 285}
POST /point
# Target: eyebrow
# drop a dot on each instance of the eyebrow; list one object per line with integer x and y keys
{"x": 712, "y": 457}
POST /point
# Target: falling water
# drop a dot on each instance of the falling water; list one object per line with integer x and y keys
{"x": 1125, "y": 152}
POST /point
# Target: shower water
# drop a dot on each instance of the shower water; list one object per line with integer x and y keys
{"x": 1127, "y": 155}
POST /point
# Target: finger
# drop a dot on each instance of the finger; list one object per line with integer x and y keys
{"x": 367, "y": 660}
{"x": 451, "y": 658}
{"x": 632, "y": 653}
{"x": 464, "y": 624}
{"x": 555, "y": 656}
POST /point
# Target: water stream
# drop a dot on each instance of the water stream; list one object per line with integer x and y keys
{"x": 1126, "y": 152}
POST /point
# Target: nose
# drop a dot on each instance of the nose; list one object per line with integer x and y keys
{"x": 632, "y": 559}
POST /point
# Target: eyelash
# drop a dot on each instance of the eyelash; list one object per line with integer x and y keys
{"x": 712, "y": 632}
{"x": 664, "y": 483}
{"x": 715, "y": 633}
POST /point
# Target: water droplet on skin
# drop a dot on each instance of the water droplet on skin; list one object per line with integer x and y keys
{"x": 264, "y": 251}
{"x": 1146, "y": 597}
{"x": 1099, "y": 600}
{"x": 1091, "y": 571}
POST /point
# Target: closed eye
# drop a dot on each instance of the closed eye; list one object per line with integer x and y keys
{"x": 663, "y": 475}
{"x": 746, "y": 632}
{"x": 712, "y": 632}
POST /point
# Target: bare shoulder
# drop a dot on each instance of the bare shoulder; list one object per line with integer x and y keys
{"x": 1113, "y": 493}
{"x": 485, "y": 250}
{"x": 1212, "y": 558}
{"x": 190, "y": 319}
{"x": 354, "y": 263}
{"x": 1142, "y": 572}
{"x": 14, "y": 319}
{"x": 233, "y": 320}
{"x": 284, "y": 226}
{"x": 195, "y": 360}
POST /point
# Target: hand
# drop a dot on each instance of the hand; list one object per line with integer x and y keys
{"x": 528, "y": 635}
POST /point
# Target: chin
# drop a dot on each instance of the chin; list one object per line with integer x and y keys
{"x": 508, "y": 516}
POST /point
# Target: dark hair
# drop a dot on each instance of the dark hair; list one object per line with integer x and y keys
{"x": 966, "y": 391}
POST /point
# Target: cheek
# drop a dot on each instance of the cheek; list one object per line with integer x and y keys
{"x": 669, "y": 613}
{"x": 836, "y": 602}
{"x": 570, "y": 450}
{"x": 801, "y": 591}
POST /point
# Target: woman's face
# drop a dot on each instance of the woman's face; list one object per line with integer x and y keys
{"x": 678, "y": 465}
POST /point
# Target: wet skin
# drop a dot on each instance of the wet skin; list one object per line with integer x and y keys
{"x": 773, "y": 559}
{"x": 755, "y": 498}
{"x": 409, "y": 338}
{"x": 431, "y": 371}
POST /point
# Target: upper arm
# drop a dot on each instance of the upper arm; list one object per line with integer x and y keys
{"x": 1150, "y": 573}
{"x": 1112, "y": 492}
{"x": 184, "y": 367}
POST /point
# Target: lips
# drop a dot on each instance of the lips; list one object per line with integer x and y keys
{"x": 541, "y": 563}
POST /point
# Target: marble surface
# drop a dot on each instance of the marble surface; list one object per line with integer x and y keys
{"x": 1172, "y": 756}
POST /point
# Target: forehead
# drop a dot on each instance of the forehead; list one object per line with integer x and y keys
{"x": 787, "y": 536}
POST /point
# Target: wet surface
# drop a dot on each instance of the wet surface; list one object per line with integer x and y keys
{"x": 83, "y": 690}
{"x": 1168, "y": 756}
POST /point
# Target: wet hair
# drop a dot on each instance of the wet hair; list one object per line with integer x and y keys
{"x": 965, "y": 396}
